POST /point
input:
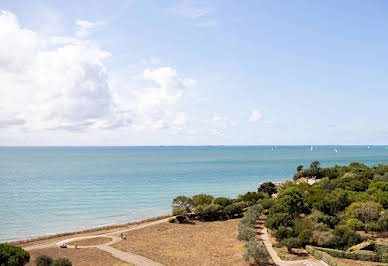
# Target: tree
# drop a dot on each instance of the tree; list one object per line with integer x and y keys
{"x": 222, "y": 201}
{"x": 266, "y": 203}
{"x": 202, "y": 199}
{"x": 256, "y": 250}
{"x": 183, "y": 202}
{"x": 291, "y": 200}
{"x": 11, "y": 255}
{"x": 299, "y": 168}
{"x": 62, "y": 262}
{"x": 291, "y": 243}
{"x": 43, "y": 260}
{"x": 267, "y": 187}
{"x": 315, "y": 165}
{"x": 364, "y": 211}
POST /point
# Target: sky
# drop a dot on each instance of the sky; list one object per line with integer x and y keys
{"x": 193, "y": 72}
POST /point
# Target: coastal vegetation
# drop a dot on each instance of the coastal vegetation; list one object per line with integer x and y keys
{"x": 330, "y": 209}
{"x": 11, "y": 255}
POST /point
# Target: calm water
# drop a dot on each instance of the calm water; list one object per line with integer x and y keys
{"x": 46, "y": 190}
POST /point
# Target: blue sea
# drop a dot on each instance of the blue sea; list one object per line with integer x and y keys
{"x": 48, "y": 190}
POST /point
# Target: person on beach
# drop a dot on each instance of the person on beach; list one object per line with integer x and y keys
{"x": 75, "y": 245}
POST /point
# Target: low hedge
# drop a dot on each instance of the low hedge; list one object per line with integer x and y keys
{"x": 320, "y": 255}
{"x": 355, "y": 255}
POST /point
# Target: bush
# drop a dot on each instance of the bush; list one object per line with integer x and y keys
{"x": 202, "y": 199}
{"x": 275, "y": 220}
{"x": 283, "y": 232}
{"x": 320, "y": 255}
{"x": 44, "y": 260}
{"x": 62, "y": 262}
{"x": 179, "y": 211}
{"x": 252, "y": 197}
{"x": 222, "y": 201}
{"x": 266, "y": 203}
{"x": 183, "y": 202}
{"x": 304, "y": 237}
{"x": 256, "y": 250}
{"x": 383, "y": 221}
{"x": 245, "y": 232}
{"x": 324, "y": 239}
{"x": 356, "y": 255}
{"x": 235, "y": 209}
{"x": 355, "y": 224}
{"x": 11, "y": 255}
{"x": 291, "y": 243}
{"x": 209, "y": 212}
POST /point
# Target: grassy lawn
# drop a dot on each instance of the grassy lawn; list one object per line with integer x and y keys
{"x": 202, "y": 243}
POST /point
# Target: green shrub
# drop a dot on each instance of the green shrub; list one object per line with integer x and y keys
{"x": 383, "y": 221}
{"x": 266, "y": 203}
{"x": 256, "y": 250}
{"x": 44, "y": 260}
{"x": 320, "y": 255}
{"x": 355, "y": 255}
{"x": 283, "y": 232}
{"x": 355, "y": 224}
{"x": 245, "y": 232}
{"x": 202, "y": 199}
{"x": 183, "y": 202}
{"x": 304, "y": 237}
{"x": 62, "y": 262}
{"x": 11, "y": 255}
{"x": 235, "y": 209}
{"x": 222, "y": 201}
{"x": 209, "y": 212}
{"x": 275, "y": 220}
{"x": 252, "y": 197}
{"x": 179, "y": 211}
{"x": 291, "y": 243}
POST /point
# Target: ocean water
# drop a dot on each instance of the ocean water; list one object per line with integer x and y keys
{"x": 48, "y": 190}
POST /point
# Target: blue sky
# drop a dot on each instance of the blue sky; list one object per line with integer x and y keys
{"x": 193, "y": 72}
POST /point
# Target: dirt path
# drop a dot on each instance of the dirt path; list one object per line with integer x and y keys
{"x": 124, "y": 256}
{"x": 129, "y": 257}
{"x": 278, "y": 261}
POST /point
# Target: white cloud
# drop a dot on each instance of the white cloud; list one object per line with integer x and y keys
{"x": 11, "y": 122}
{"x": 255, "y": 115}
{"x": 61, "y": 83}
{"x": 18, "y": 46}
{"x": 84, "y": 28}
{"x": 192, "y": 9}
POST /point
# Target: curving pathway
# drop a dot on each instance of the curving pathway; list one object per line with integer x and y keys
{"x": 124, "y": 256}
{"x": 280, "y": 262}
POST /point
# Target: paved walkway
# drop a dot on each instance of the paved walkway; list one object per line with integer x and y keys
{"x": 278, "y": 261}
{"x": 124, "y": 256}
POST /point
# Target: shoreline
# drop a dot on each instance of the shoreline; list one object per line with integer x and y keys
{"x": 91, "y": 230}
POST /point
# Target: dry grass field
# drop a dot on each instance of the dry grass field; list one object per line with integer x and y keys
{"x": 79, "y": 257}
{"x": 202, "y": 243}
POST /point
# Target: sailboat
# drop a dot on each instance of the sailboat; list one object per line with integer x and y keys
{"x": 335, "y": 149}
{"x": 311, "y": 148}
